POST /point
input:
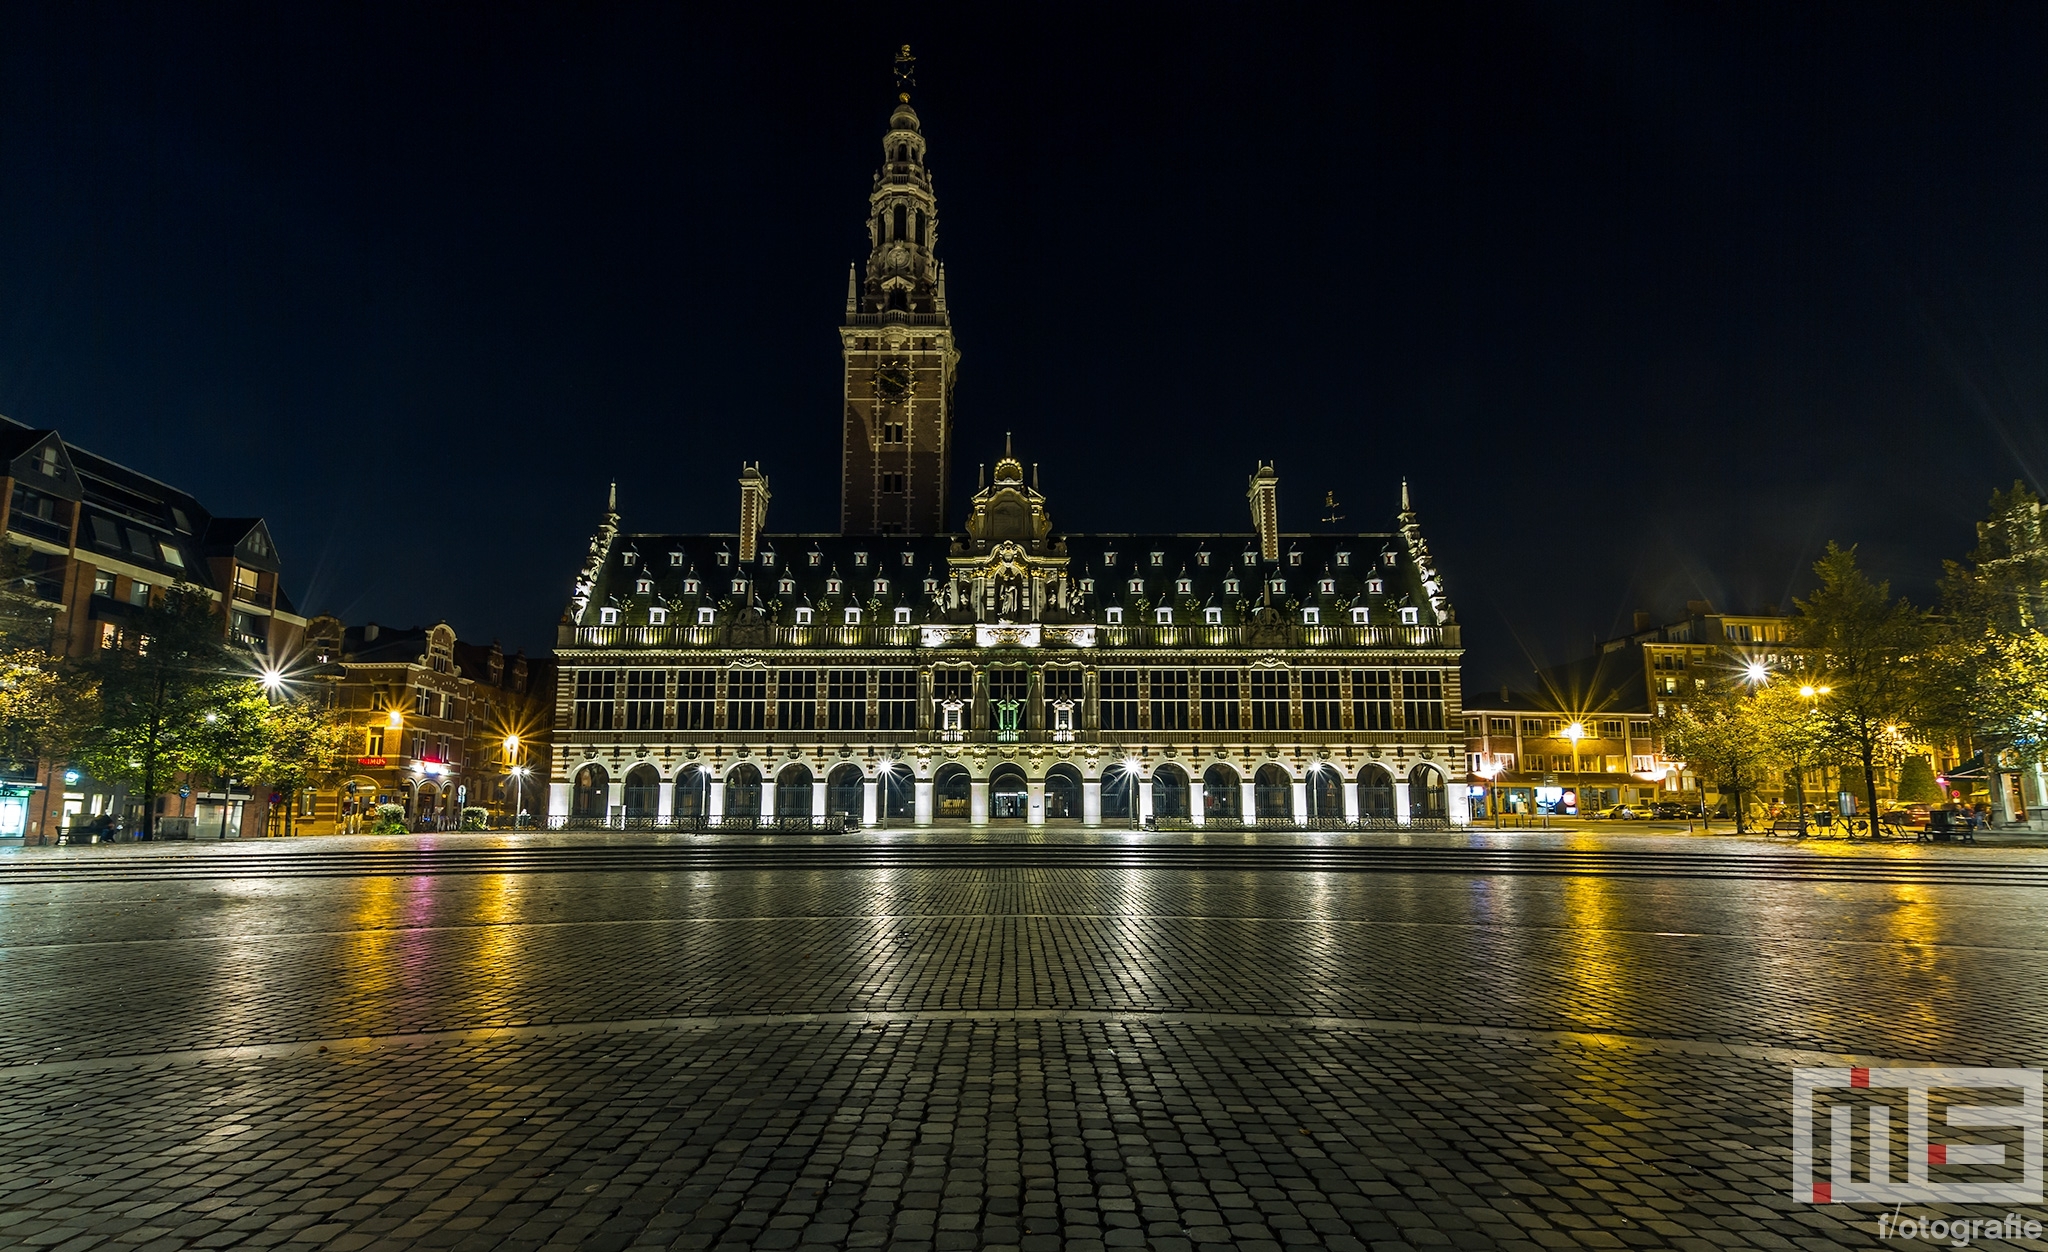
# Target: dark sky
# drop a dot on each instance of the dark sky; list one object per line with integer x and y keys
{"x": 1647, "y": 302}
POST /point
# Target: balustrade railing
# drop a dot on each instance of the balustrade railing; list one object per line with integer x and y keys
{"x": 946, "y": 637}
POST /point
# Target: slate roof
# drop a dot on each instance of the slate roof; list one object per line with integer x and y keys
{"x": 826, "y": 572}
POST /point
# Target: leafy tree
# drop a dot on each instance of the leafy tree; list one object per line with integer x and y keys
{"x": 228, "y": 740}
{"x": 1718, "y": 736}
{"x": 301, "y": 739}
{"x": 155, "y": 693}
{"x": 1866, "y": 644}
{"x": 1917, "y": 784}
{"x": 1987, "y": 678}
{"x": 42, "y": 708}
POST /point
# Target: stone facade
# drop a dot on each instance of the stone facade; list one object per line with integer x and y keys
{"x": 900, "y": 674}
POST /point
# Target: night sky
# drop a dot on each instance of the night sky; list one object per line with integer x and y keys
{"x": 1648, "y": 303}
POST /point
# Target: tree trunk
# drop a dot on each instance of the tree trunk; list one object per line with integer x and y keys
{"x": 1870, "y": 784}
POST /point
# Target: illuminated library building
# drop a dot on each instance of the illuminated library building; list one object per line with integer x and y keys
{"x": 898, "y": 674}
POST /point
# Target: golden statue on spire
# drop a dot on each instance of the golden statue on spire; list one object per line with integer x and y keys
{"x": 906, "y": 74}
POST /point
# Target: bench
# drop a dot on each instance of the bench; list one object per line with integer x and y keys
{"x": 1785, "y": 826}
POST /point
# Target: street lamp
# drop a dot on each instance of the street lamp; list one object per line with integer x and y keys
{"x": 1575, "y": 732}
{"x": 1757, "y": 673}
{"x": 1808, "y": 692}
{"x": 1131, "y": 766}
{"x": 518, "y": 772}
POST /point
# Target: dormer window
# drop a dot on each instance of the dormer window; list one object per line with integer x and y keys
{"x": 1294, "y": 558}
{"x": 931, "y": 586}
{"x": 629, "y": 559}
{"x": 1311, "y": 617}
{"x": 1114, "y": 617}
{"x": 881, "y": 586}
{"x": 1087, "y": 586}
{"x": 691, "y": 586}
{"x": 739, "y": 586}
{"x": 1230, "y": 586}
{"x": 1184, "y": 586}
{"x": 853, "y": 617}
{"x": 1212, "y": 617}
{"x": 1358, "y": 617}
{"x": 909, "y": 559}
{"x": 1328, "y": 586}
{"x": 833, "y": 586}
{"x": 1251, "y": 557}
{"x": 1386, "y": 558}
{"x": 1163, "y": 616}
{"x": 1109, "y": 557}
{"x": 1158, "y": 558}
{"x": 706, "y": 616}
{"x": 1343, "y": 558}
{"x": 643, "y": 586}
{"x": 725, "y": 558}
{"x": 902, "y": 616}
{"x": 657, "y": 617}
{"x": 1202, "y": 557}
{"x": 675, "y": 558}
{"x": 1410, "y": 617}
{"x": 1137, "y": 586}
{"x": 786, "y": 587}
{"x": 803, "y": 617}
{"x": 1374, "y": 586}
{"x": 1278, "y": 586}
{"x": 767, "y": 558}
{"x": 860, "y": 558}
{"x": 817, "y": 559}
{"x": 607, "y": 617}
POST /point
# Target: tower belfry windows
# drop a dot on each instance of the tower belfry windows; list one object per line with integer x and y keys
{"x": 902, "y": 218}
{"x": 920, "y": 228}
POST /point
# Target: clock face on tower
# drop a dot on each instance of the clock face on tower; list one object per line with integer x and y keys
{"x": 892, "y": 381}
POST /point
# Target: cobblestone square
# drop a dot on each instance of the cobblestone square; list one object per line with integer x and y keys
{"x": 927, "y": 1043}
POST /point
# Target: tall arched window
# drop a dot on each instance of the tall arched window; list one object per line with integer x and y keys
{"x": 1169, "y": 794}
{"x": 1426, "y": 800}
{"x": 1375, "y": 794}
{"x": 903, "y": 152}
{"x": 1008, "y": 796}
{"x": 952, "y": 794}
{"x": 793, "y": 794}
{"x": 693, "y": 794}
{"x": 592, "y": 796}
{"x": 920, "y": 228}
{"x": 899, "y": 795}
{"x": 1326, "y": 795}
{"x": 1062, "y": 794}
{"x": 1273, "y": 794}
{"x": 742, "y": 794}
{"x": 1221, "y": 795}
{"x": 1119, "y": 793}
{"x": 902, "y": 222}
{"x": 643, "y": 792}
{"x": 846, "y": 793}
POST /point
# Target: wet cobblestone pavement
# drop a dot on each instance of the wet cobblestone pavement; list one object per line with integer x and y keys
{"x": 469, "y": 1049}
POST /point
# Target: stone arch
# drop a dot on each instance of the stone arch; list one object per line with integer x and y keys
{"x": 1222, "y": 794}
{"x": 1170, "y": 793}
{"x": 1427, "y": 798}
{"x": 896, "y": 800}
{"x": 1063, "y": 794}
{"x": 590, "y": 797}
{"x": 952, "y": 793}
{"x": 642, "y": 792}
{"x": 693, "y": 794}
{"x": 793, "y": 793}
{"x": 1009, "y": 797}
{"x": 1273, "y": 794}
{"x": 846, "y": 792}
{"x": 1120, "y": 791}
{"x": 1325, "y": 794}
{"x": 742, "y": 793}
{"x": 1375, "y": 794}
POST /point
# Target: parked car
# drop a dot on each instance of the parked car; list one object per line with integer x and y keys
{"x": 1677, "y": 810}
{"x": 1619, "y": 813}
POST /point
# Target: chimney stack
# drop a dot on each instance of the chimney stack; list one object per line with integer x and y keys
{"x": 1642, "y": 621}
{"x": 1265, "y": 501}
{"x": 753, "y": 508}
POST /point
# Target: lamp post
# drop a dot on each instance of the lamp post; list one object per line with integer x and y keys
{"x": 1131, "y": 766}
{"x": 518, "y": 772}
{"x": 1575, "y": 732}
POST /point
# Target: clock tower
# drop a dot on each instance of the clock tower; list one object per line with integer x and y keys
{"x": 897, "y": 343}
